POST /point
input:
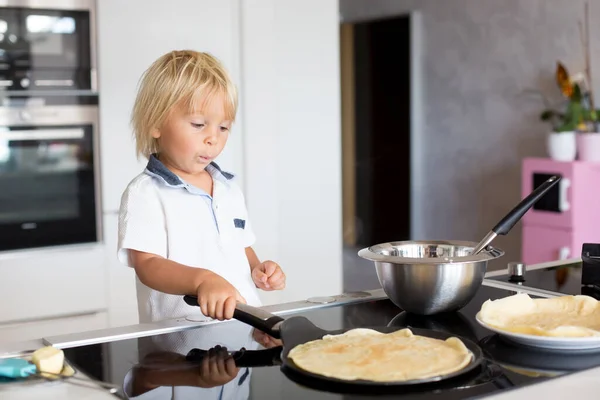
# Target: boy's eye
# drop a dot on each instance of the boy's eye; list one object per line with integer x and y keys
{"x": 224, "y": 129}
{"x": 197, "y": 125}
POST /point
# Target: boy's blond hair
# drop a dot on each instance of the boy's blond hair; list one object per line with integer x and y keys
{"x": 187, "y": 78}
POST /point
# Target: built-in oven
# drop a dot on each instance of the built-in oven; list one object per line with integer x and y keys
{"x": 49, "y": 176}
{"x": 47, "y": 45}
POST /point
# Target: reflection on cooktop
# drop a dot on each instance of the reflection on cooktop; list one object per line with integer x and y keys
{"x": 194, "y": 364}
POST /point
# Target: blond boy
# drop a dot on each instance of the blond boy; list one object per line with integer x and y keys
{"x": 183, "y": 223}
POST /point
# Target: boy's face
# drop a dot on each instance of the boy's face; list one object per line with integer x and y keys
{"x": 188, "y": 142}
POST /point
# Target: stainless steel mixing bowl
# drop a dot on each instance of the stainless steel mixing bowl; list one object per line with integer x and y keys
{"x": 430, "y": 277}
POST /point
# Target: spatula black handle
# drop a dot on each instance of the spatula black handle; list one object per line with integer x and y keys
{"x": 506, "y": 224}
{"x": 256, "y": 317}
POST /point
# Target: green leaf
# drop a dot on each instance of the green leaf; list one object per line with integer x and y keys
{"x": 574, "y": 111}
{"x": 589, "y": 115}
{"x": 568, "y": 126}
{"x": 576, "y": 96}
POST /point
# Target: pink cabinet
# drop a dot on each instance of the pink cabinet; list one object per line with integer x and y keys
{"x": 569, "y": 215}
{"x": 541, "y": 244}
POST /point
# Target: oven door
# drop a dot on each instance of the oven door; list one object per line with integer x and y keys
{"x": 49, "y": 185}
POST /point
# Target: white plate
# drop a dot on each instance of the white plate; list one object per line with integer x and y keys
{"x": 547, "y": 342}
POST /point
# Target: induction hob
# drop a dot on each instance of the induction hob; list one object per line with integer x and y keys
{"x": 571, "y": 277}
{"x": 155, "y": 367}
{"x": 565, "y": 279}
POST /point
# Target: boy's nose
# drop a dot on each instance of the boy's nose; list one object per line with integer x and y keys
{"x": 211, "y": 139}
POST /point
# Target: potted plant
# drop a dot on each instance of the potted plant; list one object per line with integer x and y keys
{"x": 588, "y": 136}
{"x": 561, "y": 141}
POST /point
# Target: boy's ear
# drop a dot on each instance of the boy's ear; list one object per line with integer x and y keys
{"x": 155, "y": 133}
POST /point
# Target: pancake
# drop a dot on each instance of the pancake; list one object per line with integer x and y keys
{"x": 564, "y": 316}
{"x": 365, "y": 354}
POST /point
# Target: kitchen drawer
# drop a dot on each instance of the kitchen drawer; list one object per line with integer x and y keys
{"x": 37, "y": 329}
{"x": 48, "y": 283}
{"x": 542, "y": 244}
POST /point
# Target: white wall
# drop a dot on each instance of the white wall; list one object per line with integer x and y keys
{"x": 292, "y": 125}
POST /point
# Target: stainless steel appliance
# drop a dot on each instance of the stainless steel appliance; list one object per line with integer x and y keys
{"x": 49, "y": 176}
{"x": 49, "y": 172}
{"x": 47, "y": 45}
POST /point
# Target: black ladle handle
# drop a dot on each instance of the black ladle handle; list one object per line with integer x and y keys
{"x": 510, "y": 219}
{"x": 253, "y": 316}
{"x": 507, "y": 223}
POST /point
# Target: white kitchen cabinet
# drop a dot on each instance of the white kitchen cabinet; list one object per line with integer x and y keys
{"x": 48, "y": 283}
{"x": 121, "y": 293}
{"x": 292, "y": 147}
{"x": 19, "y": 332}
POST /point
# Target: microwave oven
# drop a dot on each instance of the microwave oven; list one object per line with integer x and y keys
{"x": 47, "y": 45}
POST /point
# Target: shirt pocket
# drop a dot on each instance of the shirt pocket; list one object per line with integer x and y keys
{"x": 238, "y": 224}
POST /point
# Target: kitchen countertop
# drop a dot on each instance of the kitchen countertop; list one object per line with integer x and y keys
{"x": 578, "y": 385}
{"x": 17, "y": 348}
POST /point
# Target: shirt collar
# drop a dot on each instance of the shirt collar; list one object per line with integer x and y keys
{"x": 157, "y": 169}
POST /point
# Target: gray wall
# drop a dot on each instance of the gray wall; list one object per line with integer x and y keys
{"x": 479, "y": 56}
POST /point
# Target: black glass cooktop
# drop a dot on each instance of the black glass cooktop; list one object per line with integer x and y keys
{"x": 564, "y": 279}
{"x": 191, "y": 365}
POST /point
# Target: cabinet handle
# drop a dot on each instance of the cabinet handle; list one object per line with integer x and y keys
{"x": 21, "y": 322}
{"x": 563, "y": 202}
{"x": 42, "y": 134}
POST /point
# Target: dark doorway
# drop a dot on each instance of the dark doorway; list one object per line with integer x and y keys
{"x": 382, "y": 130}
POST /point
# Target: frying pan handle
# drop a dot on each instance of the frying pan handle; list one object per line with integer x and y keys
{"x": 243, "y": 358}
{"x": 253, "y": 316}
{"x": 506, "y": 224}
{"x": 503, "y": 382}
{"x": 258, "y": 318}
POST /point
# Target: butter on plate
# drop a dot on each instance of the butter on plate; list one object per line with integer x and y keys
{"x": 48, "y": 359}
{"x": 48, "y": 362}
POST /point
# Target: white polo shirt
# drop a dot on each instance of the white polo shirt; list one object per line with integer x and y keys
{"x": 163, "y": 215}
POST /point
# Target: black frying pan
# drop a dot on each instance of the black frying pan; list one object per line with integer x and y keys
{"x": 299, "y": 330}
{"x": 272, "y": 357}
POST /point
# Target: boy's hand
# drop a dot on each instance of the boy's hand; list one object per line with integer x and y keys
{"x": 217, "y": 297}
{"x": 217, "y": 368}
{"x": 266, "y": 340}
{"x": 268, "y": 276}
